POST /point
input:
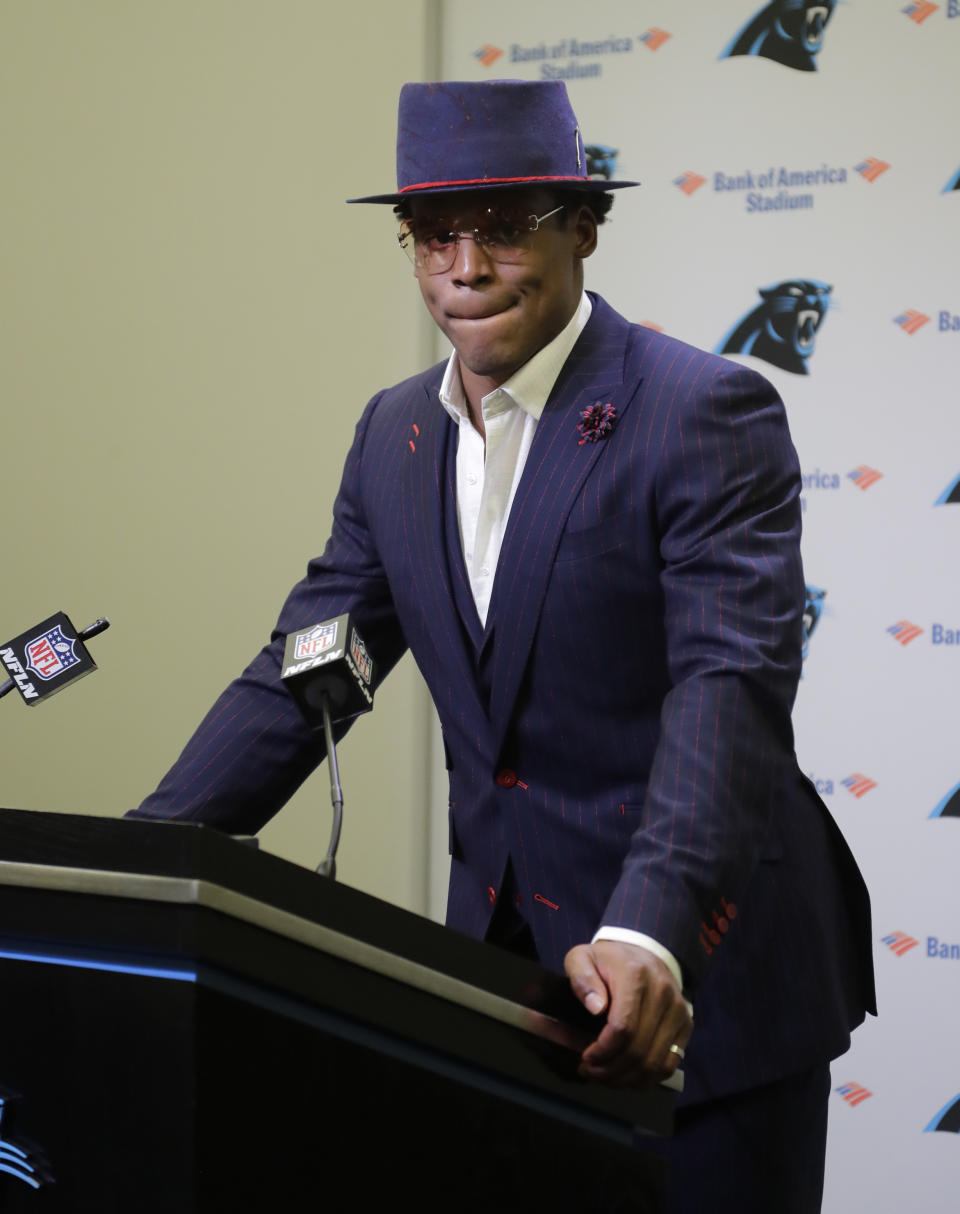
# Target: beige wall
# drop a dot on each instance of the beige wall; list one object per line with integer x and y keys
{"x": 191, "y": 322}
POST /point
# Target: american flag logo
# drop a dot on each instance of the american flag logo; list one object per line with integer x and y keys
{"x": 309, "y": 644}
{"x": 900, "y": 943}
{"x": 853, "y": 1093}
{"x": 904, "y": 632}
{"x": 920, "y": 11}
{"x": 654, "y": 38}
{"x": 911, "y": 320}
{"x": 858, "y": 784}
{"x": 689, "y": 183}
{"x": 487, "y": 54}
{"x": 51, "y": 654}
{"x": 871, "y": 168}
{"x": 864, "y": 476}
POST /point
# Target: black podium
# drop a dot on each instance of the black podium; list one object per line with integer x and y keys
{"x": 190, "y": 1025}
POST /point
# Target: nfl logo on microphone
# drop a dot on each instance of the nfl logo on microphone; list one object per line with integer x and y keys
{"x": 362, "y": 660}
{"x": 46, "y": 659}
{"x": 318, "y": 639}
{"x": 51, "y": 654}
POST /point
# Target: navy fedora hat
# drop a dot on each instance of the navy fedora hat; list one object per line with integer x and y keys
{"x": 474, "y": 135}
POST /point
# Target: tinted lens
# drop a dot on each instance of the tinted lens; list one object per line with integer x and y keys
{"x": 431, "y": 242}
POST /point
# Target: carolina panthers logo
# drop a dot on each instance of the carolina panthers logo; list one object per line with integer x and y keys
{"x": 952, "y": 184}
{"x": 812, "y": 610}
{"x": 783, "y": 329}
{"x": 788, "y": 31}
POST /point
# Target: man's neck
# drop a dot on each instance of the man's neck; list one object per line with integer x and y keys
{"x": 475, "y": 388}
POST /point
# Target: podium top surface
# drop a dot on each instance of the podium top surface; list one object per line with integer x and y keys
{"x": 201, "y": 868}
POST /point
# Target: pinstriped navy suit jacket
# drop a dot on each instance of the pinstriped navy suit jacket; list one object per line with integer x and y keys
{"x": 636, "y": 673}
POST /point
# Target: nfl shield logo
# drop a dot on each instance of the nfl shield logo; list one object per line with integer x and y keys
{"x": 358, "y": 651}
{"x": 50, "y": 654}
{"x": 309, "y": 644}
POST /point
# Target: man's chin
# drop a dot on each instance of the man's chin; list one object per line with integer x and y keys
{"x": 488, "y": 364}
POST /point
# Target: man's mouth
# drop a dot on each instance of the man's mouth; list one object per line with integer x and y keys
{"x": 483, "y": 311}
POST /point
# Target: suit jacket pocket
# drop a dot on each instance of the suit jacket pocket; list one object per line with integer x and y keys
{"x": 612, "y": 533}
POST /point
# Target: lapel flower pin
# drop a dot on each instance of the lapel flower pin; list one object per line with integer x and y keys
{"x": 596, "y": 422}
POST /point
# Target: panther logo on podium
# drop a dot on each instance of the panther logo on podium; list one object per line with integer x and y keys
{"x": 22, "y": 1160}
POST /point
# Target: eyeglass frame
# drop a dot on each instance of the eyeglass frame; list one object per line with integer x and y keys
{"x": 409, "y": 245}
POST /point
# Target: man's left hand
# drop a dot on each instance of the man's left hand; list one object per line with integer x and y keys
{"x": 646, "y": 1013}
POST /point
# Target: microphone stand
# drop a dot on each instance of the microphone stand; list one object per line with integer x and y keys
{"x": 328, "y": 866}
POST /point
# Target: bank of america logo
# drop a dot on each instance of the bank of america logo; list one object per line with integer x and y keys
{"x": 871, "y": 168}
{"x": 949, "y": 807}
{"x": 950, "y": 494}
{"x": 911, "y": 320}
{"x": 487, "y": 54}
{"x": 904, "y": 631}
{"x": 853, "y": 1093}
{"x": 858, "y": 785}
{"x": 863, "y": 476}
{"x": 654, "y": 38}
{"x": 900, "y": 943}
{"x": 920, "y": 11}
{"x": 948, "y": 1119}
{"x": 689, "y": 183}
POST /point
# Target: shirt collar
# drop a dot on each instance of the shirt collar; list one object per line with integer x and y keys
{"x": 529, "y": 386}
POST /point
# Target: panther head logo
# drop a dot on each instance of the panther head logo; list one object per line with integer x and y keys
{"x": 950, "y": 495}
{"x": 782, "y": 330}
{"x": 812, "y": 610}
{"x": 953, "y": 183}
{"x": 788, "y": 31}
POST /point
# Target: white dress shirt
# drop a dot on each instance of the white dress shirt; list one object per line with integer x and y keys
{"x": 488, "y": 474}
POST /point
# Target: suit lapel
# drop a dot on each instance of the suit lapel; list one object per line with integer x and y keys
{"x": 556, "y": 468}
{"x": 430, "y": 529}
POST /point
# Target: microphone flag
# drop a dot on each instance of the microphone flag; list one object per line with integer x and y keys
{"x": 43, "y": 660}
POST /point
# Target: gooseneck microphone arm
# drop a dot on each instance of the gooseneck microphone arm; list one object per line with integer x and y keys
{"x": 329, "y": 673}
{"x": 328, "y": 866}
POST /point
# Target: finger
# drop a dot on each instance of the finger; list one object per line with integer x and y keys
{"x": 628, "y": 1071}
{"x": 637, "y": 1038}
{"x": 585, "y": 980}
{"x": 630, "y": 1025}
{"x": 674, "y": 1029}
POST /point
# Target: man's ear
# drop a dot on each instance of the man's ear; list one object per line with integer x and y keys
{"x": 585, "y": 231}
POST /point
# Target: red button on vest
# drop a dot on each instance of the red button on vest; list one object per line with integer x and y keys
{"x": 506, "y": 778}
{"x": 491, "y": 894}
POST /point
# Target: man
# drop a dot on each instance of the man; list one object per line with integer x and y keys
{"x": 588, "y": 535}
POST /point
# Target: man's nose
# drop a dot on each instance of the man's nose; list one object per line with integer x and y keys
{"x": 472, "y": 262}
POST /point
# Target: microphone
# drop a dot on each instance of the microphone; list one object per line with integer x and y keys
{"x": 328, "y": 664}
{"x": 45, "y": 658}
{"x": 330, "y": 675}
